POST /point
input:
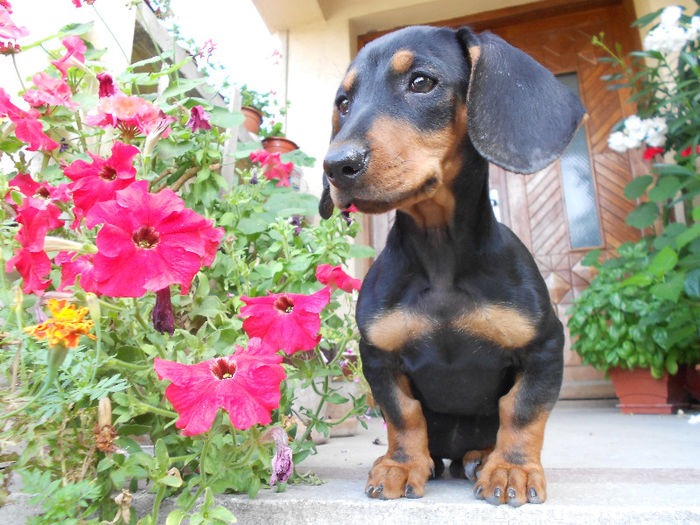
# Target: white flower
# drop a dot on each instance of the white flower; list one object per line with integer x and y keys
{"x": 694, "y": 29}
{"x": 636, "y": 129}
{"x": 666, "y": 39}
{"x": 618, "y": 141}
{"x": 671, "y": 15}
{"x": 656, "y": 132}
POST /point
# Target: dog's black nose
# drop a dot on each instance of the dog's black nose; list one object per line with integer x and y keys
{"x": 345, "y": 163}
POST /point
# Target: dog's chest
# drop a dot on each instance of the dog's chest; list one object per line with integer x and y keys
{"x": 435, "y": 311}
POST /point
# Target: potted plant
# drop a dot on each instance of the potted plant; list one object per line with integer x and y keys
{"x": 254, "y": 108}
{"x": 641, "y": 312}
{"x": 274, "y": 140}
{"x": 622, "y": 326}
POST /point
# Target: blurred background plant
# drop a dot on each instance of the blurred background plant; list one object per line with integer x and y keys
{"x": 642, "y": 308}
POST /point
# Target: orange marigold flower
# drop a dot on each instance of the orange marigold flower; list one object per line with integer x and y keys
{"x": 65, "y": 326}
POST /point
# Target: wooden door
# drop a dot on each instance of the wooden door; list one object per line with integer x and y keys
{"x": 544, "y": 209}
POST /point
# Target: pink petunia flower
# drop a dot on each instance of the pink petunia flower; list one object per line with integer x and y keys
{"x": 107, "y": 86}
{"x": 8, "y": 29}
{"x": 27, "y": 126}
{"x": 149, "y": 241}
{"x": 34, "y": 267}
{"x": 285, "y": 321}
{"x": 131, "y": 115}
{"x": 199, "y": 119}
{"x": 99, "y": 180}
{"x": 75, "y": 54}
{"x": 336, "y": 278}
{"x": 50, "y": 91}
{"x": 72, "y": 267}
{"x": 27, "y": 186}
{"x": 36, "y": 217}
{"x": 274, "y": 167}
{"x": 245, "y": 384}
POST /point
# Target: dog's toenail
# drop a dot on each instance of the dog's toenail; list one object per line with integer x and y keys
{"x": 497, "y": 493}
{"x": 477, "y": 492}
{"x": 511, "y": 493}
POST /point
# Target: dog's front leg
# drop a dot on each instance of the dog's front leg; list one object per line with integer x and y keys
{"x": 512, "y": 473}
{"x": 406, "y": 466}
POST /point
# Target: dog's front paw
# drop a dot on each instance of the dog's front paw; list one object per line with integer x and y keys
{"x": 392, "y": 478}
{"x": 501, "y": 481}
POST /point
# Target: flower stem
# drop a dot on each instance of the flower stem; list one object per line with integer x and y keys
{"x": 156, "y": 410}
{"x": 118, "y": 363}
{"x": 156, "y": 504}
{"x": 19, "y": 76}
{"x": 116, "y": 40}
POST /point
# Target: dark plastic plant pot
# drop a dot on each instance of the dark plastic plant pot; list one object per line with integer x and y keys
{"x": 640, "y": 393}
{"x": 278, "y": 145}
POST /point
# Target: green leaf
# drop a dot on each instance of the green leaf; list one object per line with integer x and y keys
{"x": 170, "y": 481}
{"x": 86, "y": 101}
{"x": 360, "y": 251}
{"x": 175, "y": 517}
{"x": 663, "y": 261}
{"x": 10, "y": 145}
{"x": 76, "y": 29}
{"x": 670, "y": 290}
{"x": 183, "y": 86}
{"x": 591, "y": 258}
{"x": 636, "y": 187}
{"x": 226, "y": 119}
{"x": 688, "y": 235}
{"x": 666, "y": 188}
{"x": 692, "y": 283}
{"x": 162, "y": 456}
{"x": 221, "y": 513}
{"x": 643, "y": 216}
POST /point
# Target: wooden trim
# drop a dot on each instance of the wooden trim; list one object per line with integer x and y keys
{"x": 525, "y": 13}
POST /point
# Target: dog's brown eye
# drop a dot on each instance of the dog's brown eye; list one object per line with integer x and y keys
{"x": 422, "y": 84}
{"x": 343, "y": 105}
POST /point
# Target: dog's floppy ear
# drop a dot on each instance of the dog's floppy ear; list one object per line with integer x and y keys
{"x": 325, "y": 205}
{"x": 519, "y": 116}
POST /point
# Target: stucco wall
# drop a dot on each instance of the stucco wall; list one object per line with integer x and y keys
{"x": 318, "y": 55}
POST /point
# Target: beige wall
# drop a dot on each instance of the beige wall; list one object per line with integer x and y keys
{"x": 321, "y": 46}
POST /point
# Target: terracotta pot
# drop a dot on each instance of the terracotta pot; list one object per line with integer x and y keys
{"x": 278, "y": 145}
{"x": 253, "y": 119}
{"x": 640, "y": 393}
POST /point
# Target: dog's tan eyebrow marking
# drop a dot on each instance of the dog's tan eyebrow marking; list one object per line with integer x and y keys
{"x": 499, "y": 324}
{"x": 349, "y": 79}
{"x": 392, "y": 330}
{"x": 402, "y": 60}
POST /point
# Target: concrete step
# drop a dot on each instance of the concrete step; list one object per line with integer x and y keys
{"x": 602, "y": 467}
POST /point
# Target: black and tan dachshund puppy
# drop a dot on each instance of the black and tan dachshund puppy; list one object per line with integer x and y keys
{"x": 459, "y": 341}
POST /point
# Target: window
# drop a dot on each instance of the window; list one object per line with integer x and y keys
{"x": 577, "y": 180}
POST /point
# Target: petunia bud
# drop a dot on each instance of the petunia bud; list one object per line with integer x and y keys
{"x": 162, "y": 315}
{"x": 282, "y": 463}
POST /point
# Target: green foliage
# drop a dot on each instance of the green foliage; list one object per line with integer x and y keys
{"x": 642, "y": 309}
{"x": 634, "y": 314}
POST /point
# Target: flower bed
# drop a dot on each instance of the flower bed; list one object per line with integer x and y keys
{"x": 172, "y": 292}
